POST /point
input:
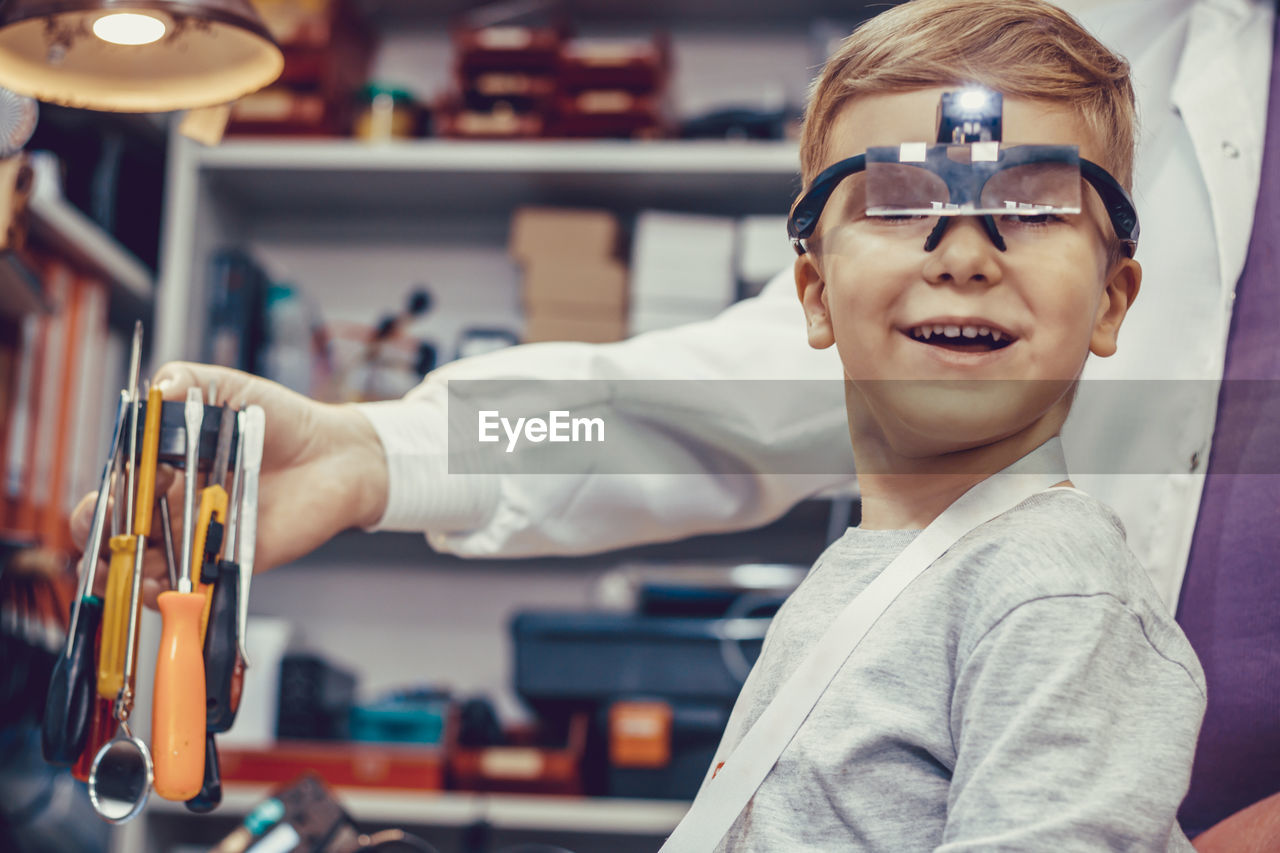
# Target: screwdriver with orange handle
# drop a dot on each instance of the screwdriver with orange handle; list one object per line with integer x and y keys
{"x": 115, "y": 616}
{"x": 178, "y": 709}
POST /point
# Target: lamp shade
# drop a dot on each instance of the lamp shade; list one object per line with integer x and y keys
{"x": 185, "y": 54}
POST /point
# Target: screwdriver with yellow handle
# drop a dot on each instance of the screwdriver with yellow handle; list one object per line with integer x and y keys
{"x": 115, "y": 617}
{"x": 218, "y": 623}
{"x": 178, "y": 709}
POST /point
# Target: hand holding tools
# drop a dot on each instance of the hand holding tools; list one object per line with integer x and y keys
{"x": 178, "y": 710}
{"x": 68, "y": 703}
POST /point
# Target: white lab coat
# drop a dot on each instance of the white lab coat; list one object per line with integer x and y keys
{"x": 1201, "y": 70}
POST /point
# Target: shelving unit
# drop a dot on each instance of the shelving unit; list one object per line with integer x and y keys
{"x": 166, "y": 822}
{"x": 68, "y": 232}
{"x": 242, "y": 188}
{"x": 361, "y": 220}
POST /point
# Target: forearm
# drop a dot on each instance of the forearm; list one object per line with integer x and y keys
{"x": 733, "y": 458}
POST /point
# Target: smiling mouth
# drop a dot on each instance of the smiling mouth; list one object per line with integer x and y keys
{"x": 960, "y": 338}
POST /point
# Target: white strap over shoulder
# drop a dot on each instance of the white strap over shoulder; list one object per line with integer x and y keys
{"x": 725, "y": 794}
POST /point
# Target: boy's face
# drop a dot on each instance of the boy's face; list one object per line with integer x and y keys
{"x": 891, "y": 308}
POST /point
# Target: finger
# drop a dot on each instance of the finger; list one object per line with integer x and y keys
{"x": 151, "y": 589}
{"x": 174, "y": 378}
{"x": 82, "y": 520}
{"x": 100, "y": 579}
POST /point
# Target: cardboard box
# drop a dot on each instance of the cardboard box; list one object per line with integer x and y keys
{"x": 574, "y": 327}
{"x": 553, "y": 285}
{"x": 681, "y": 256}
{"x": 551, "y": 232}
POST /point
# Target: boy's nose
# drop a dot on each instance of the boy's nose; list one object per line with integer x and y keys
{"x": 964, "y": 256}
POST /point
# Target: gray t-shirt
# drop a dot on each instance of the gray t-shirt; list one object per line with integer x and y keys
{"x": 1028, "y": 692}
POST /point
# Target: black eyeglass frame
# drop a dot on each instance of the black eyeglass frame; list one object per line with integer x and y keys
{"x": 1119, "y": 205}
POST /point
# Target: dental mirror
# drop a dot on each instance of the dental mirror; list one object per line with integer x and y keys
{"x": 121, "y": 777}
{"x": 122, "y": 773}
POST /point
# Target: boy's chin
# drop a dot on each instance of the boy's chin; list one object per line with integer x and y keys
{"x": 925, "y": 421}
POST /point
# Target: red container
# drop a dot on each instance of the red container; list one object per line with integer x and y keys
{"x": 528, "y": 766}
{"x": 348, "y": 765}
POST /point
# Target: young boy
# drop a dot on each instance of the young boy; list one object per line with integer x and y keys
{"x": 1027, "y": 690}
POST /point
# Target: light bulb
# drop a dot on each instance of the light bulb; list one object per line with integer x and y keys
{"x": 973, "y": 100}
{"x": 128, "y": 28}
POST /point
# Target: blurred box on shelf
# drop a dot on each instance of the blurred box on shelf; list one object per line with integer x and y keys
{"x": 566, "y": 656}
{"x": 763, "y": 250}
{"x": 410, "y": 717}
{"x": 632, "y": 65}
{"x": 507, "y": 48}
{"x": 514, "y": 78}
{"x": 408, "y": 767}
{"x": 601, "y": 329}
{"x": 519, "y": 91}
{"x": 659, "y": 749}
{"x": 541, "y": 232}
{"x": 327, "y": 48}
{"x": 454, "y": 121}
{"x": 545, "y": 760}
{"x": 682, "y": 269}
{"x": 596, "y": 288}
{"x": 607, "y": 113}
{"x": 315, "y": 699}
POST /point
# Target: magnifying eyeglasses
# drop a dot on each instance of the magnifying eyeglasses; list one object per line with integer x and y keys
{"x": 969, "y": 172}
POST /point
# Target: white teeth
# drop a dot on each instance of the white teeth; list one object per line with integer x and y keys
{"x": 925, "y": 332}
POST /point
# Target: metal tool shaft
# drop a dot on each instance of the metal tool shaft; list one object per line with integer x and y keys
{"x": 94, "y": 544}
{"x": 194, "y": 413}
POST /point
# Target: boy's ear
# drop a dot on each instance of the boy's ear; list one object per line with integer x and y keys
{"x": 812, "y": 291}
{"x": 1121, "y": 290}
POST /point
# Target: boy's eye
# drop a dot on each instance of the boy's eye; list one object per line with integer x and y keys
{"x": 1033, "y": 219}
{"x": 898, "y": 217}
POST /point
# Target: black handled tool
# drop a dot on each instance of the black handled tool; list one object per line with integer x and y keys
{"x": 73, "y": 682}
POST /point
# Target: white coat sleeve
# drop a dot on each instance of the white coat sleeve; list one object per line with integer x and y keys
{"x": 741, "y": 457}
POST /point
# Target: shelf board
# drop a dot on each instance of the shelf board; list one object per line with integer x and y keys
{"x": 449, "y": 179}
{"x": 57, "y": 223}
{"x": 460, "y": 809}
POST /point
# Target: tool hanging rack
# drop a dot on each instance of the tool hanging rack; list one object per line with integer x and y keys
{"x": 91, "y": 692}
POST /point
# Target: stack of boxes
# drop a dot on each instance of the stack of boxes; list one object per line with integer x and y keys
{"x": 682, "y": 269}
{"x": 611, "y": 88}
{"x": 506, "y": 82}
{"x": 327, "y": 51}
{"x": 575, "y": 288}
{"x": 517, "y": 82}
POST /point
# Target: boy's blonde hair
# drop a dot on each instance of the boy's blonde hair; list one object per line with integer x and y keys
{"x": 1025, "y": 48}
